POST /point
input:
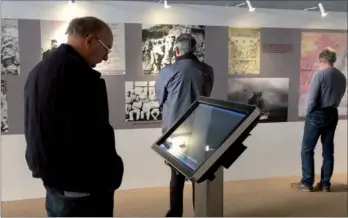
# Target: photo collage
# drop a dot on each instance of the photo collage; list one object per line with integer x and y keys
{"x": 246, "y": 82}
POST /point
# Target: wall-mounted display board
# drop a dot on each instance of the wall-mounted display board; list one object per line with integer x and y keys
{"x": 4, "y": 118}
{"x": 158, "y": 44}
{"x": 312, "y": 44}
{"x": 140, "y": 102}
{"x": 53, "y": 34}
{"x": 270, "y": 95}
{"x": 10, "y": 62}
{"x": 257, "y": 66}
{"x": 243, "y": 51}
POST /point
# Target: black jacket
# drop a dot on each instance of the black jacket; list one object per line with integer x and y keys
{"x": 70, "y": 142}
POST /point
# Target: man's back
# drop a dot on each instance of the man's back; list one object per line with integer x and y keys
{"x": 70, "y": 143}
{"x": 333, "y": 86}
{"x": 184, "y": 82}
{"x": 326, "y": 92}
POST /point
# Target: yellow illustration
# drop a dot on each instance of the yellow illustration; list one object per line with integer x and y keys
{"x": 243, "y": 51}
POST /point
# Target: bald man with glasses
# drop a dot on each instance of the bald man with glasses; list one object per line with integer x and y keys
{"x": 70, "y": 142}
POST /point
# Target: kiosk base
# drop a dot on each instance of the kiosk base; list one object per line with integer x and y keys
{"x": 209, "y": 196}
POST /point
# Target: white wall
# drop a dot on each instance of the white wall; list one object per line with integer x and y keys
{"x": 274, "y": 149}
{"x": 142, "y": 12}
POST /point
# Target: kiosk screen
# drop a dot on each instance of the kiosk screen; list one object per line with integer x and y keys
{"x": 201, "y": 134}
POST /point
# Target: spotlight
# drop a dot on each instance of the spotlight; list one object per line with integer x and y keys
{"x": 251, "y": 8}
{"x": 165, "y": 4}
{"x": 322, "y": 10}
{"x": 248, "y": 3}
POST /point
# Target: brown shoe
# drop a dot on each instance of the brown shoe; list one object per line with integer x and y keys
{"x": 320, "y": 187}
{"x": 301, "y": 187}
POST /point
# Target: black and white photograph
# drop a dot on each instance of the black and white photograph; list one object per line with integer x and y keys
{"x": 158, "y": 44}
{"x": 270, "y": 95}
{"x": 4, "y": 119}
{"x": 10, "y": 63}
{"x": 53, "y": 34}
{"x": 140, "y": 102}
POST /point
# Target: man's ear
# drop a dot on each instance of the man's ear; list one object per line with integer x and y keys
{"x": 88, "y": 40}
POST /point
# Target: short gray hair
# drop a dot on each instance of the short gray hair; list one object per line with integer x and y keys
{"x": 84, "y": 26}
{"x": 186, "y": 43}
{"x": 328, "y": 55}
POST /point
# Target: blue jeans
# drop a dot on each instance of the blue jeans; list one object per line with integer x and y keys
{"x": 319, "y": 123}
{"x": 99, "y": 204}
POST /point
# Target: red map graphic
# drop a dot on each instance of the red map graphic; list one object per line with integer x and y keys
{"x": 311, "y": 45}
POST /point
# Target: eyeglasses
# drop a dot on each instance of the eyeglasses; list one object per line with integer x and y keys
{"x": 103, "y": 44}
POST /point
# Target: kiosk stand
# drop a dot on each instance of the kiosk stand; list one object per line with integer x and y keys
{"x": 206, "y": 139}
{"x": 209, "y": 197}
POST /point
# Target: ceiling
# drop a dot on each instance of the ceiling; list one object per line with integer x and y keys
{"x": 333, "y": 5}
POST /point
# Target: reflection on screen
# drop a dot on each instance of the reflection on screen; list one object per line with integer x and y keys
{"x": 203, "y": 132}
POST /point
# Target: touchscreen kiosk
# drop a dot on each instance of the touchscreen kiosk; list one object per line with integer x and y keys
{"x": 209, "y": 135}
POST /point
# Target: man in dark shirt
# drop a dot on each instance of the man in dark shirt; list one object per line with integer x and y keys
{"x": 177, "y": 86}
{"x": 327, "y": 90}
{"x": 54, "y": 45}
{"x": 70, "y": 143}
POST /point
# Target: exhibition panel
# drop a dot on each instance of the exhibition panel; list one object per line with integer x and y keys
{"x": 261, "y": 58}
{"x": 53, "y": 34}
{"x": 158, "y": 44}
{"x": 312, "y": 42}
{"x": 261, "y": 66}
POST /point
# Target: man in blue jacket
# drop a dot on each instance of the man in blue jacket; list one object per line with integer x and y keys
{"x": 177, "y": 86}
{"x": 70, "y": 142}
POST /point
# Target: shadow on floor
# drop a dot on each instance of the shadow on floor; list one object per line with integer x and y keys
{"x": 282, "y": 201}
{"x": 339, "y": 188}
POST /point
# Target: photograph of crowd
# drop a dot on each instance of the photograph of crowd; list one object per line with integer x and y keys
{"x": 270, "y": 95}
{"x": 140, "y": 102}
{"x": 10, "y": 63}
{"x": 4, "y": 119}
{"x": 158, "y": 44}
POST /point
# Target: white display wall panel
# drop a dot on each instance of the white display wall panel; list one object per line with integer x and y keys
{"x": 154, "y": 13}
{"x": 273, "y": 151}
{"x": 274, "y": 148}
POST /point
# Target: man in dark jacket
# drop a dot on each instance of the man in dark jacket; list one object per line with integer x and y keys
{"x": 70, "y": 142}
{"x": 177, "y": 86}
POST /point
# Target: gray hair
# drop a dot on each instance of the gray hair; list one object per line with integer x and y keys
{"x": 83, "y": 26}
{"x": 186, "y": 43}
{"x": 328, "y": 55}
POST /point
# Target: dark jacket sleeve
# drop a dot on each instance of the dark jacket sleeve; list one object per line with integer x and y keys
{"x": 115, "y": 162}
{"x": 91, "y": 135}
{"x": 181, "y": 95}
{"x": 211, "y": 81}
{"x": 161, "y": 86}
